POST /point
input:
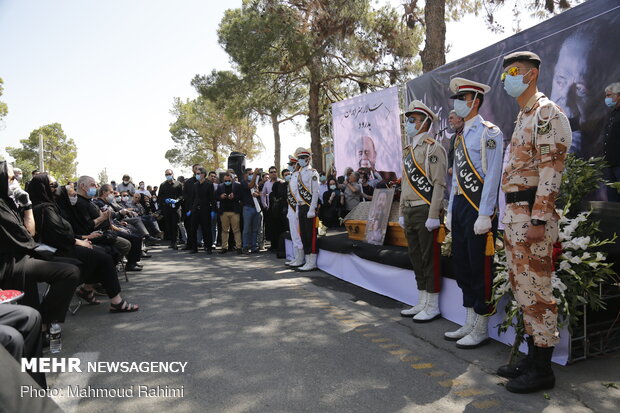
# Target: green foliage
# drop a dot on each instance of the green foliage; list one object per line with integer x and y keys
{"x": 203, "y": 134}
{"x": 59, "y": 153}
{"x": 331, "y": 48}
{"x": 580, "y": 178}
{"x": 102, "y": 177}
{"x": 4, "y": 109}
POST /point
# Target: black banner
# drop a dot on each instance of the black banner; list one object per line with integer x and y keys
{"x": 578, "y": 53}
{"x": 305, "y": 194}
{"x": 467, "y": 178}
{"x": 292, "y": 202}
{"x": 417, "y": 178}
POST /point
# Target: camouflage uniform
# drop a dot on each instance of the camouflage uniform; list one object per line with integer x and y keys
{"x": 538, "y": 149}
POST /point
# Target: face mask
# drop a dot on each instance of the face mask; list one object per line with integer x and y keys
{"x": 410, "y": 129}
{"x": 110, "y": 198}
{"x": 287, "y": 178}
{"x": 125, "y": 198}
{"x": 117, "y": 199}
{"x": 608, "y": 101}
{"x": 332, "y": 187}
{"x": 514, "y": 86}
{"x": 228, "y": 183}
{"x": 323, "y": 178}
{"x": 18, "y": 178}
{"x": 461, "y": 109}
{"x": 142, "y": 187}
{"x": 73, "y": 199}
{"x": 198, "y": 177}
{"x": 290, "y": 168}
{"x": 92, "y": 191}
{"x": 168, "y": 177}
{"x": 125, "y": 182}
{"x": 250, "y": 177}
{"x": 302, "y": 162}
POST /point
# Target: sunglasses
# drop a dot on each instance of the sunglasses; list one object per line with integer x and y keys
{"x": 512, "y": 71}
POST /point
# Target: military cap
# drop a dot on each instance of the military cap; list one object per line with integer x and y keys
{"x": 292, "y": 159}
{"x": 416, "y": 106}
{"x": 522, "y": 56}
{"x": 459, "y": 86}
{"x": 302, "y": 152}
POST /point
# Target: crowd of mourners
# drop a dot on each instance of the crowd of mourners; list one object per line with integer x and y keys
{"x": 60, "y": 240}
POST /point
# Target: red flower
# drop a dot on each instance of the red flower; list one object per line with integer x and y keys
{"x": 557, "y": 251}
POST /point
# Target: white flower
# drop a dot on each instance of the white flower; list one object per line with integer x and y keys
{"x": 564, "y": 265}
{"x": 600, "y": 256}
{"x": 593, "y": 264}
{"x": 585, "y": 256}
{"x": 575, "y": 260}
{"x": 557, "y": 283}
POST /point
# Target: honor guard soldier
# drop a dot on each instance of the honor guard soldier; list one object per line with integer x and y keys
{"x": 424, "y": 184}
{"x": 306, "y": 192}
{"x": 477, "y": 170}
{"x": 531, "y": 181}
{"x": 291, "y": 215}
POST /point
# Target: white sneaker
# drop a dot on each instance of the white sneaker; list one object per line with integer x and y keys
{"x": 299, "y": 258}
{"x": 431, "y": 310}
{"x": 479, "y": 335}
{"x": 466, "y": 329}
{"x": 310, "y": 263}
{"x": 410, "y": 312}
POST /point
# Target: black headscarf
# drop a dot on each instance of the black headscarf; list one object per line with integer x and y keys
{"x": 4, "y": 183}
{"x": 39, "y": 189}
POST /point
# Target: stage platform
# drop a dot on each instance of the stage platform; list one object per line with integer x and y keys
{"x": 386, "y": 270}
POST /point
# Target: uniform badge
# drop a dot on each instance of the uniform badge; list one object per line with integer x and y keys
{"x": 432, "y": 159}
{"x": 491, "y": 144}
{"x": 545, "y": 149}
{"x": 544, "y": 129}
{"x": 314, "y": 178}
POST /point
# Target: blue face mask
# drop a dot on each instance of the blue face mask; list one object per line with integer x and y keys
{"x": 198, "y": 177}
{"x": 302, "y": 162}
{"x": 290, "y": 168}
{"x": 287, "y": 178}
{"x": 332, "y": 187}
{"x": 514, "y": 86}
{"x": 609, "y": 102}
{"x": 250, "y": 177}
{"x": 168, "y": 177}
{"x": 323, "y": 178}
{"x": 92, "y": 191}
{"x": 228, "y": 183}
{"x": 410, "y": 129}
{"x": 461, "y": 109}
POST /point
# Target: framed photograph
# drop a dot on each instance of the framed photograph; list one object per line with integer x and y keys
{"x": 379, "y": 215}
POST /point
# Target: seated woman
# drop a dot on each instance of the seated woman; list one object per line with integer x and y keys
{"x": 52, "y": 229}
{"x": 19, "y": 269}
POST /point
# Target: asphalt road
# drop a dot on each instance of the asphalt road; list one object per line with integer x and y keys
{"x": 258, "y": 337}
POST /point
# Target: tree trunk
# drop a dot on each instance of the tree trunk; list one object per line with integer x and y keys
{"x": 216, "y": 155}
{"x": 315, "y": 129}
{"x": 434, "y": 53}
{"x": 276, "y": 142}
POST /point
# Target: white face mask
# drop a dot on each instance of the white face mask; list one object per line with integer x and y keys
{"x": 110, "y": 198}
{"x": 125, "y": 198}
{"x": 73, "y": 199}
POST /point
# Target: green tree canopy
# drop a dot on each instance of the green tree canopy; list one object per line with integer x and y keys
{"x": 273, "y": 98}
{"x": 204, "y": 134}
{"x": 59, "y": 153}
{"x": 335, "y": 48}
{"x": 4, "y": 109}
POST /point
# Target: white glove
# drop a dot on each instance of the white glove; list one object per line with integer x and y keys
{"x": 311, "y": 213}
{"x": 482, "y": 225}
{"x": 21, "y": 197}
{"x": 432, "y": 224}
{"x": 448, "y": 222}
{"x": 401, "y": 222}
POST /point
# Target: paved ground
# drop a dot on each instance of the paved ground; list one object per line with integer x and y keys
{"x": 260, "y": 338}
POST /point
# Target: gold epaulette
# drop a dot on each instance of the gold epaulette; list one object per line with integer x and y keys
{"x": 430, "y": 141}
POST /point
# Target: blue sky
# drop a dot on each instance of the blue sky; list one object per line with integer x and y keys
{"x": 108, "y": 72}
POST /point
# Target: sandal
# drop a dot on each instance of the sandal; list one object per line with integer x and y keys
{"x": 123, "y": 307}
{"x": 87, "y": 295}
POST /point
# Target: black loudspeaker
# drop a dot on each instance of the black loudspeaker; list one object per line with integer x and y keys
{"x": 236, "y": 162}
